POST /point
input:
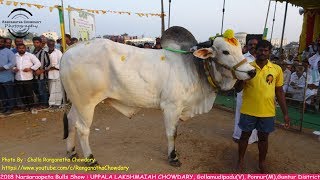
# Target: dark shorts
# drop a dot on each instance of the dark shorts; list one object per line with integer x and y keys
{"x": 248, "y": 123}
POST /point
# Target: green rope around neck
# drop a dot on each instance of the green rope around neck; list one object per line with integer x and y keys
{"x": 177, "y": 51}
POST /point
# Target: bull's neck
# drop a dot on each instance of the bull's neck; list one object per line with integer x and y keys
{"x": 224, "y": 82}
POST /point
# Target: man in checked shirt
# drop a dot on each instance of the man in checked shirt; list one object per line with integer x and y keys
{"x": 41, "y": 75}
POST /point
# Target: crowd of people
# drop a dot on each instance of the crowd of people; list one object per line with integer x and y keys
{"x": 301, "y": 79}
{"x": 29, "y": 76}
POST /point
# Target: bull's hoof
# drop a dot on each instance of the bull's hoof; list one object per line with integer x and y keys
{"x": 75, "y": 155}
{"x": 72, "y": 154}
{"x": 92, "y": 161}
{"x": 174, "y": 162}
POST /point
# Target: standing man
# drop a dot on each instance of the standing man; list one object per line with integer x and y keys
{"x": 17, "y": 41}
{"x": 258, "y": 108}
{"x": 7, "y": 62}
{"x": 44, "y": 43}
{"x": 313, "y": 61}
{"x": 250, "y": 56}
{"x": 26, "y": 64}
{"x": 55, "y": 88}
{"x": 41, "y": 77}
{"x": 8, "y": 43}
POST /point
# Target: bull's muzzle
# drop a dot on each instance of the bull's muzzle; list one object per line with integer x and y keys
{"x": 252, "y": 73}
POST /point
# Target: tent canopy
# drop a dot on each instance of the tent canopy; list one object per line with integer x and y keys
{"x": 307, "y": 4}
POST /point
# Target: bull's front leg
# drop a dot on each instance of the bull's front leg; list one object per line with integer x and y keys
{"x": 171, "y": 118}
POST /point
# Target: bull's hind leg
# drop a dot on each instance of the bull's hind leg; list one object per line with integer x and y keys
{"x": 70, "y": 132}
{"x": 83, "y": 129}
{"x": 171, "y": 118}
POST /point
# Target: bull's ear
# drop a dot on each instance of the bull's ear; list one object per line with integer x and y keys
{"x": 205, "y": 53}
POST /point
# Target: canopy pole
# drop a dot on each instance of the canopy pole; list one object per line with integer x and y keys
{"x": 162, "y": 18}
{"x": 284, "y": 26}
{"x": 62, "y": 26}
{"x": 223, "y": 10}
{"x": 274, "y": 18}
{"x": 169, "y": 13}
{"x": 265, "y": 30}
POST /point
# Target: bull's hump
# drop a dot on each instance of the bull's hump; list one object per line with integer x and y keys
{"x": 177, "y": 36}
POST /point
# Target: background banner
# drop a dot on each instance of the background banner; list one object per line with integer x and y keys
{"x": 82, "y": 24}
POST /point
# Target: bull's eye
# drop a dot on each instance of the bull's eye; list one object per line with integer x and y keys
{"x": 225, "y": 52}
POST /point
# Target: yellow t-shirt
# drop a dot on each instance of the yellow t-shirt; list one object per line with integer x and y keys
{"x": 259, "y": 92}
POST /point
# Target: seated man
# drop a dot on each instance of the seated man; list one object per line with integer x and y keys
{"x": 313, "y": 76}
{"x": 286, "y": 77}
{"x": 312, "y": 87}
{"x": 297, "y": 83}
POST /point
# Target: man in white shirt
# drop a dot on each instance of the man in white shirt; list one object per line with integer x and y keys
{"x": 297, "y": 83}
{"x": 286, "y": 77}
{"x": 313, "y": 61}
{"x": 26, "y": 63}
{"x": 250, "y": 56}
{"x": 55, "y": 88}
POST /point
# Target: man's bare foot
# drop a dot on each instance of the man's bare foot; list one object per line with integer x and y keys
{"x": 240, "y": 166}
{"x": 262, "y": 167}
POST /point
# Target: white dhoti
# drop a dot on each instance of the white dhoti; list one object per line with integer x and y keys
{"x": 55, "y": 91}
{"x": 237, "y": 131}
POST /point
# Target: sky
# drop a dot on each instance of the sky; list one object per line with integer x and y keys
{"x": 201, "y": 17}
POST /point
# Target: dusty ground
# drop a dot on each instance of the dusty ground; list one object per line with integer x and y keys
{"x": 204, "y": 143}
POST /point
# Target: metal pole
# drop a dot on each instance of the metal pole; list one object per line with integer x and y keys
{"x": 284, "y": 26}
{"x": 304, "y": 100}
{"x": 274, "y": 18}
{"x": 265, "y": 29}
{"x": 265, "y": 24}
{"x": 62, "y": 27}
{"x": 169, "y": 13}
{"x": 223, "y": 10}
{"x": 162, "y": 18}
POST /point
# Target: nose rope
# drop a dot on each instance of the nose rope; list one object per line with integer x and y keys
{"x": 234, "y": 68}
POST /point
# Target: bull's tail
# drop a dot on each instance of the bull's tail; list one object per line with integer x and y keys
{"x": 65, "y": 126}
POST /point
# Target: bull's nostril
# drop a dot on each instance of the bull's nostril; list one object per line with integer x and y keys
{"x": 252, "y": 73}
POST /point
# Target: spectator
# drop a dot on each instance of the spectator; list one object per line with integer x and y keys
{"x": 305, "y": 54}
{"x": 286, "y": 77}
{"x": 158, "y": 40}
{"x": 297, "y": 83}
{"x": 8, "y": 43}
{"x": 313, "y": 78}
{"x": 41, "y": 77}
{"x": 313, "y": 61}
{"x": 250, "y": 56}
{"x": 290, "y": 59}
{"x": 68, "y": 40}
{"x": 312, "y": 48}
{"x": 55, "y": 88}
{"x": 7, "y": 61}
{"x": 74, "y": 40}
{"x": 44, "y": 43}
{"x": 17, "y": 41}
{"x": 244, "y": 49}
{"x": 58, "y": 44}
{"x": 147, "y": 45}
{"x": 157, "y": 44}
{"x": 26, "y": 63}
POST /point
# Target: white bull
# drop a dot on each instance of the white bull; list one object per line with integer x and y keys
{"x": 130, "y": 78}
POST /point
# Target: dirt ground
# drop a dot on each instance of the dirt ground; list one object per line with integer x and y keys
{"x": 204, "y": 143}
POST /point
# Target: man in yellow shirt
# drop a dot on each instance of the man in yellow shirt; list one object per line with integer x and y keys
{"x": 258, "y": 106}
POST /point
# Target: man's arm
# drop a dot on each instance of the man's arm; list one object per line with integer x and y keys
{"x": 282, "y": 102}
{"x": 239, "y": 85}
